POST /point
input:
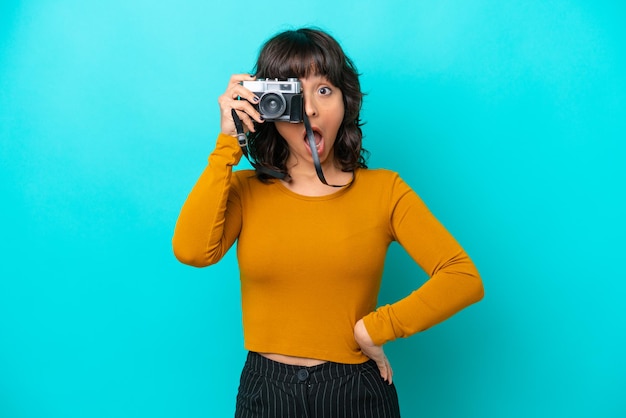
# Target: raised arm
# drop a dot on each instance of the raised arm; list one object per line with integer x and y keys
{"x": 210, "y": 219}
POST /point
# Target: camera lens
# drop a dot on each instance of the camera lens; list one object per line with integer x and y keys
{"x": 272, "y": 105}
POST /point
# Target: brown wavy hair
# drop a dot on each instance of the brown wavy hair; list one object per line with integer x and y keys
{"x": 299, "y": 54}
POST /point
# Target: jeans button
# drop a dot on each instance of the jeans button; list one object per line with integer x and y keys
{"x": 303, "y": 375}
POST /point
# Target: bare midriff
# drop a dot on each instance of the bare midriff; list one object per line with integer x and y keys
{"x": 293, "y": 361}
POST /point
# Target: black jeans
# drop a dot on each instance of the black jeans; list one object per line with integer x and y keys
{"x": 331, "y": 390}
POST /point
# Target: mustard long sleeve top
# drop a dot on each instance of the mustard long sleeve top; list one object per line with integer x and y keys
{"x": 311, "y": 267}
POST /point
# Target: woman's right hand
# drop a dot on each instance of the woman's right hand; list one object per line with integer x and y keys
{"x": 245, "y": 110}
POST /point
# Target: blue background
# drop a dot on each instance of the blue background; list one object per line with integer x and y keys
{"x": 508, "y": 118}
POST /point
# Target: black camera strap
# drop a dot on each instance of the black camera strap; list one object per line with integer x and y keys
{"x": 316, "y": 158}
{"x": 243, "y": 143}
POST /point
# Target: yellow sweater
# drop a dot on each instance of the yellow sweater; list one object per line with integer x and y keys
{"x": 311, "y": 267}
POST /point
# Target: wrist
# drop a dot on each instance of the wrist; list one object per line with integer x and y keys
{"x": 361, "y": 334}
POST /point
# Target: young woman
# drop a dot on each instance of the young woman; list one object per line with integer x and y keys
{"x": 311, "y": 253}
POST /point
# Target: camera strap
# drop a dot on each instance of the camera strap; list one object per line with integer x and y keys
{"x": 243, "y": 143}
{"x": 316, "y": 158}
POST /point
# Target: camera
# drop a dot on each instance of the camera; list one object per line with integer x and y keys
{"x": 279, "y": 100}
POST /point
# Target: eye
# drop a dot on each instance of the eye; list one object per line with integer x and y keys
{"x": 324, "y": 91}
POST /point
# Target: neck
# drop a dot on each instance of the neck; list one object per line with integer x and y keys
{"x": 304, "y": 180}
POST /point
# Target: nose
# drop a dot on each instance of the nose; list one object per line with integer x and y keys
{"x": 310, "y": 107}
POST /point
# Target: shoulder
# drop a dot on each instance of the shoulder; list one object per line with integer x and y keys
{"x": 244, "y": 176}
{"x": 384, "y": 182}
{"x": 243, "y": 180}
{"x": 378, "y": 177}
{"x": 246, "y": 182}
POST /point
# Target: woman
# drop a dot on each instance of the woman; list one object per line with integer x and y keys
{"x": 310, "y": 253}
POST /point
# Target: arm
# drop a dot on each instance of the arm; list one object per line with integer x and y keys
{"x": 202, "y": 234}
{"x": 210, "y": 219}
{"x": 454, "y": 282}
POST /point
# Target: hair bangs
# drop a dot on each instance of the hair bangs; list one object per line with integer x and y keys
{"x": 297, "y": 55}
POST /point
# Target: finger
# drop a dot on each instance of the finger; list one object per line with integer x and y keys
{"x": 390, "y": 372}
{"x": 384, "y": 367}
{"x": 248, "y": 108}
{"x": 240, "y": 98}
{"x": 226, "y": 104}
{"x": 238, "y": 78}
{"x": 246, "y": 120}
{"x": 381, "y": 363}
{"x": 239, "y": 92}
{"x": 385, "y": 372}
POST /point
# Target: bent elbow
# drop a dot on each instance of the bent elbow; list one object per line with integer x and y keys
{"x": 476, "y": 288}
{"x": 191, "y": 256}
{"x": 190, "y": 259}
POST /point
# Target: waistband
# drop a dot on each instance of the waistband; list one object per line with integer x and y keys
{"x": 299, "y": 374}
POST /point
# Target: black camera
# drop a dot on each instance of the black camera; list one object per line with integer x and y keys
{"x": 279, "y": 100}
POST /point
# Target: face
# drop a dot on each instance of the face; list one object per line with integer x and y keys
{"x": 323, "y": 104}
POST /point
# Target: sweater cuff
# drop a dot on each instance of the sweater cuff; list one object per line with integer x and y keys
{"x": 379, "y": 325}
{"x": 227, "y": 150}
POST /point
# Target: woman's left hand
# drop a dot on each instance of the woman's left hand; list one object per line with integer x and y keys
{"x": 373, "y": 351}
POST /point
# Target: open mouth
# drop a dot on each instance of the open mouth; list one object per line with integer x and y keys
{"x": 319, "y": 140}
